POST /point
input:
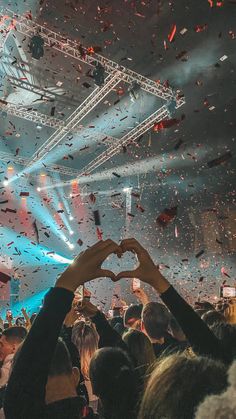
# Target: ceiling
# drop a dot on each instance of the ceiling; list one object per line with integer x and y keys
{"x": 165, "y": 169}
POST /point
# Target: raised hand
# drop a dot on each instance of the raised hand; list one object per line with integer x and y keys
{"x": 87, "y": 309}
{"x": 147, "y": 271}
{"x": 87, "y": 266}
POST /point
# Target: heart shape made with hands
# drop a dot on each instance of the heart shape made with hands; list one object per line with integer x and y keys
{"x": 124, "y": 261}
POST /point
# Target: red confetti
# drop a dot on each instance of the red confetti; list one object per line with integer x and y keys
{"x": 200, "y": 28}
{"x": 172, "y": 33}
{"x": 99, "y": 233}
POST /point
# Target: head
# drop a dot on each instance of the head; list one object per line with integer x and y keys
{"x": 140, "y": 348}
{"x": 115, "y": 382}
{"x": 85, "y": 338}
{"x": 190, "y": 380}
{"x": 62, "y": 378}
{"x": 132, "y": 316}
{"x": 155, "y": 320}
{"x": 10, "y": 341}
{"x": 213, "y": 316}
{"x": 176, "y": 330}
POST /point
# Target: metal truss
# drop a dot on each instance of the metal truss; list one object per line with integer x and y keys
{"x": 134, "y": 134}
{"x": 44, "y": 93}
{"x": 72, "y": 122}
{"x": 49, "y": 121}
{"x": 24, "y": 161}
{"x": 77, "y": 51}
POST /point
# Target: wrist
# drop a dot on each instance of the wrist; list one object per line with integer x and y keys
{"x": 159, "y": 282}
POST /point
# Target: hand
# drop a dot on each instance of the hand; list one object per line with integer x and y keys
{"x": 141, "y": 296}
{"x": 87, "y": 309}
{"x": 87, "y": 266}
{"x": 147, "y": 271}
{"x": 71, "y": 317}
{"x": 27, "y": 318}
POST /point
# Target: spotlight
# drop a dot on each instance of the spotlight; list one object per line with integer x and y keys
{"x": 38, "y": 189}
{"x": 36, "y": 46}
{"x": 71, "y": 218}
{"x": 5, "y": 183}
{"x": 71, "y": 232}
{"x": 126, "y": 190}
{"x": 10, "y": 168}
{"x": 71, "y": 246}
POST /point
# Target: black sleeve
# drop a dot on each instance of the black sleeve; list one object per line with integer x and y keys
{"x": 25, "y": 394}
{"x": 107, "y": 335}
{"x": 66, "y": 333}
{"x": 200, "y": 337}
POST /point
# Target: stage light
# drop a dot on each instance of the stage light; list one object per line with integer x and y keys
{"x": 5, "y": 183}
{"x": 71, "y": 246}
{"x": 10, "y": 168}
{"x": 126, "y": 189}
{"x": 71, "y": 218}
{"x": 38, "y": 189}
{"x": 71, "y": 232}
{"x": 42, "y": 175}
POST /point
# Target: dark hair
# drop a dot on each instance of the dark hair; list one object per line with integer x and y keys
{"x": 15, "y": 334}
{"x": 61, "y": 362}
{"x": 226, "y": 333}
{"x": 115, "y": 382}
{"x": 213, "y": 316}
{"x": 140, "y": 350}
{"x": 155, "y": 317}
{"x": 132, "y": 314}
{"x": 178, "y": 384}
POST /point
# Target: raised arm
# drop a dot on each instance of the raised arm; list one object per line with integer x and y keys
{"x": 201, "y": 338}
{"x": 25, "y": 393}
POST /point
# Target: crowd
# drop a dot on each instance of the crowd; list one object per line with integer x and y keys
{"x": 165, "y": 360}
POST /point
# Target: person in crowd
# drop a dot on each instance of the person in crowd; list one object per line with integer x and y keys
{"x": 155, "y": 323}
{"x": 132, "y": 316}
{"x": 26, "y": 395}
{"x": 178, "y": 384}
{"x": 85, "y": 338}
{"x": 200, "y": 337}
{"x": 141, "y": 352}
{"x": 213, "y": 316}
{"x": 10, "y": 341}
{"x": 221, "y": 406}
{"x": 115, "y": 382}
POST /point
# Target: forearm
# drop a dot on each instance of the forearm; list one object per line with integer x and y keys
{"x": 26, "y": 388}
{"x": 107, "y": 335}
{"x": 201, "y": 338}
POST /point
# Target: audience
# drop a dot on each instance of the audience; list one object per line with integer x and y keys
{"x": 145, "y": 374}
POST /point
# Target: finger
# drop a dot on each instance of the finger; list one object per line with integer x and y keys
{"x": 109, "y": 248}
{"x": 107, "y": 274}
{"x": 132, "y": 245}
{"x": 127, "y": 274}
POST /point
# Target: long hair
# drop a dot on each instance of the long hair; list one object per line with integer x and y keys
{"x": 140, "y": 350}
{"x": 178, "y": 384}
{"x": 85, "y": 338}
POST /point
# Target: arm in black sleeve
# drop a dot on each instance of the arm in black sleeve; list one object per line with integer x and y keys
{"x": 200, "y": 337}
{"x": 25, "y": 394}
{"x": 107, "y": 335}
{"x": 66, "y": 333}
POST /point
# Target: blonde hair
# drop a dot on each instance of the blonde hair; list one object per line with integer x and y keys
{"x": 178, "y": 384}
{"x": 85, "y": 338}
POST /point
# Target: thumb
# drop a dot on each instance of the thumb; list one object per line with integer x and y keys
{"x": 126, "y": 274}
